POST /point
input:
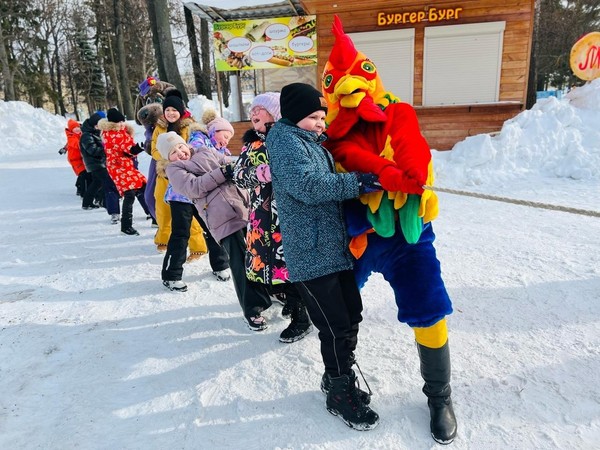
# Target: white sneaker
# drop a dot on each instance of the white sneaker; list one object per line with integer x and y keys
{"x": 114, "y": 219}
{"x": 222, "y": 275}
{"x": 178, "y": 285}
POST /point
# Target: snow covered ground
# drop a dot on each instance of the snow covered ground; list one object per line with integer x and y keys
{"x": 95, "y": 354}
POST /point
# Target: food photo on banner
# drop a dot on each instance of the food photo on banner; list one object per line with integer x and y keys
{"x": 265, "y": 43}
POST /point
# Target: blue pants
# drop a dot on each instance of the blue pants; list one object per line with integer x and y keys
{"x": 413, "y": 272}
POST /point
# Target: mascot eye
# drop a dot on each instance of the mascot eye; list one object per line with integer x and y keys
{"x": 327, "y": 80}
{"x": 368, "y": 67}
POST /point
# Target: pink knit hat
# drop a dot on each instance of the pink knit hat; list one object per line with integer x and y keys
{"x": 269, "y": 101}
{"x": 219, "y": 124}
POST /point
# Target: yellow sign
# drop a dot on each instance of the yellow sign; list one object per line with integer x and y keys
{"x": 585, "y": 57}
{"x": 265, "y": 44}
{"x": 428, "y": 15}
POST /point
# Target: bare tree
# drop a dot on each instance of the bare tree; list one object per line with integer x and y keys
{"x": 201, "y": 81}
{"x": 165, "y": 43}
{"x": 123, "y": 78}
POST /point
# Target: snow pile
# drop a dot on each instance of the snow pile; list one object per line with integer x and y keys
{"x": 25, "y": 129}
{"x": 556, "y": 138}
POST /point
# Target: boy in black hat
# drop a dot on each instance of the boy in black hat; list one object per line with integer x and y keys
{"x": 309, "y": 200}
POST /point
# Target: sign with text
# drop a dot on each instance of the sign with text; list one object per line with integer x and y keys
{"x": 429, "y": 14}
{"x": 265, "y": 43}
{"x": 585, "y": 57}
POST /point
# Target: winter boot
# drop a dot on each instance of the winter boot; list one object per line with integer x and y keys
{"x": 127, "y": 210}
{"x": 344, "y": 401}
{"x": 435, "y": 370}
{"x": 365, "y": 396}
{"x": 299, "y": 327}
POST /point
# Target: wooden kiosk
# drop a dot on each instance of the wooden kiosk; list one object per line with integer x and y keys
{"x": 463, "y": 65}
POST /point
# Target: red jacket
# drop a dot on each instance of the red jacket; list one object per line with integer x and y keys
{"x": 118, "y": 140}
{"x": 73, "y": 152}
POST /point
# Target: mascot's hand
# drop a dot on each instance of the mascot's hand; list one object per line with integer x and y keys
{"x": 394, "y": 179}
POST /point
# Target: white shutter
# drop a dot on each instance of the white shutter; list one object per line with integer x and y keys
{"x": 392, "y": 51}
{"x": 462, "y": 63}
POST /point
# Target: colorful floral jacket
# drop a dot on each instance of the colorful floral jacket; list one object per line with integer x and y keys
{"x": 265, "y": 262}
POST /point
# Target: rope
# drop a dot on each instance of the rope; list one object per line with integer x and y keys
{"x": 567, "y": 209}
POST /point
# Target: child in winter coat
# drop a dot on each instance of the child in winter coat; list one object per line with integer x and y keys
{"x": 265, "y": 262}
{"x": 94, "y": 158}
{"x": 219, "y": 131}
{"x": 73, "y": 132}
{"x": 172, "y": 148}
{"x": 309, "y": 200}
{"x": 121, "y": 151}
{"x": 206, "y": 179}
{"x": 174, "y": 118}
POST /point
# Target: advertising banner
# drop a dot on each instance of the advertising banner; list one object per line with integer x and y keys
{"x": 265, "y": 43}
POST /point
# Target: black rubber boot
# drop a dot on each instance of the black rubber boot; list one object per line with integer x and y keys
{"x": 344, "y": 401}
{"x": 435, "y": 370}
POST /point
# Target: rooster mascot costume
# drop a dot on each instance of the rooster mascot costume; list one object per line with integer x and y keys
{"x": 370, "y": 130}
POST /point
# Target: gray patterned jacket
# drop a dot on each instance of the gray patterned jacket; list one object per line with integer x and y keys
{"x": 309, "y": 198}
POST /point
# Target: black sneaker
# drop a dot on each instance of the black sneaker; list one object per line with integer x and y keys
{"x": 177, "y": 285}
{"x": 279, "y": 298}
{"x": 295, "y": 331}
{"x": 130, "y": 231}
{"x": 343, "y": 400}
{"x": 257, "y": 323}
{"x": 326, "y": 387}
{"x": 87, "y": 208}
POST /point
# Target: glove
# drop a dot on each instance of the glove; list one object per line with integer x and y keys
{"x": 62, "y": 151}
{"x": 227, "y": 170}
{"x": 136, "y": 149}
{"x": 367, "y": 182}
{"x": 263, "y": 173}
{"x": 394, "y": 179}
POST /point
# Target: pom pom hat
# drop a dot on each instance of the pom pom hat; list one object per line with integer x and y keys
{"x": 166, "y": 142}
{"x": 299, "y": 100}
{"x": 219, "y": 124}
{"x": 268, "y": 101}
{"x": 114, "y": 115}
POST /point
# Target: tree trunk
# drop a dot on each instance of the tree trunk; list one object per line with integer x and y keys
{"x": 7, "y": 75}
{"x": 195, "y": 57}
{"x": 162, "y": 72}
{"x": 163, "y": 28}
{"x": 205, "y": 53}
{"x": 123, "y": 81}
{"x": 61, "y": 101}
{"x": 225, "y": 87}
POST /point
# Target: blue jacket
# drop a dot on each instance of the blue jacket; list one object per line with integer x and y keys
{"x": 309, "y": 200}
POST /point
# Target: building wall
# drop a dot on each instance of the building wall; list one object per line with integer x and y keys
{"x": 443, "y": 126}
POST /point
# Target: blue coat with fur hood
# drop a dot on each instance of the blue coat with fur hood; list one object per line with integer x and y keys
{"x": 309, "y": 199}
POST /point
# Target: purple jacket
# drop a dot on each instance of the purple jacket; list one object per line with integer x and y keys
{"x": 220, "y": 203}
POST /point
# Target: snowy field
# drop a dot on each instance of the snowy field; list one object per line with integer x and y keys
{"x": 96, "y": 354}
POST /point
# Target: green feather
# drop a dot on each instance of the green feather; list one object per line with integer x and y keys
{"x": 384, "y": 219}
{"x": 410, "y": 222}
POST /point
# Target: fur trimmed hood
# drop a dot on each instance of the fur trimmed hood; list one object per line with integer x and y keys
{"x": 105, "y": 125}
{"x": 178, "y": 126}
